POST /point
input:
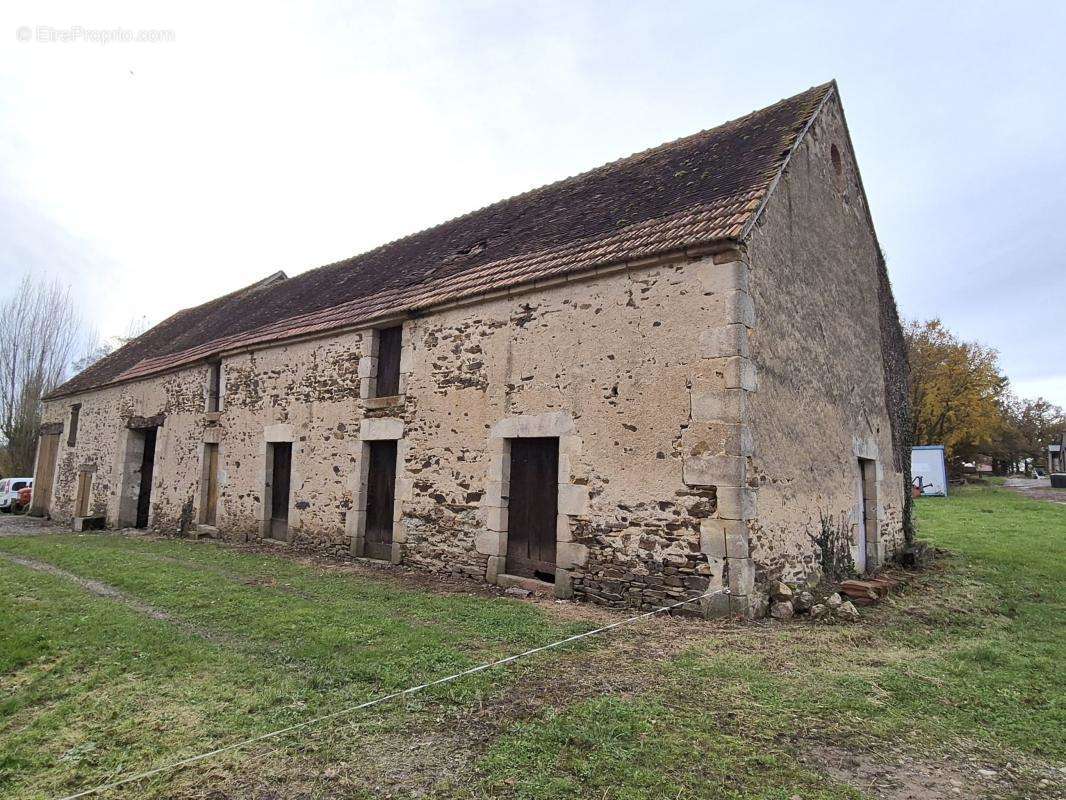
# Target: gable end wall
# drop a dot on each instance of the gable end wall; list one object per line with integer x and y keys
{"x": 824, "y": 316}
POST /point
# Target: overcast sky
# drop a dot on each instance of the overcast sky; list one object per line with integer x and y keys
{"x": 152, "y": 176}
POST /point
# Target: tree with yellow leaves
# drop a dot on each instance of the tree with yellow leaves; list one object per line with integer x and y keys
{"x": 956, "y": 392}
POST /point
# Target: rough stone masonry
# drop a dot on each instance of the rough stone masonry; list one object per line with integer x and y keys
{"x": 701, "y": 337}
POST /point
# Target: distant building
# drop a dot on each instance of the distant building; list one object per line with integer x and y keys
{"x": 650, "y": 381}
{"x": 1056, "y": 458}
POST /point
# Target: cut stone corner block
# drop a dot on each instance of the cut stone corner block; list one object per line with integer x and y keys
{"x": 727, "y": 276}
{"x": 714, "y": 470}
{"x": 490, "y": 543}
{"x": 493, "y": 568}
{"x": 571, "y": 554}
{"x": 741, "y": 576}
{"x": 740, "y": 373}
{"x": 495, "y": 518}
{"x": 564, "y": 584}
{"x": 724, "y": 341}
{"x": 709, "y": 404}
{"x": 573, "y": 499}
{"x": 724, "y": 538}
{"x": 736, "y": 502}
{"x": 743, "y": 605}
{"x": 716, "y": 605}
{"x": 741, "y": 309}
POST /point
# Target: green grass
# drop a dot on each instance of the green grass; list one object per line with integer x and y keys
{"x": 968, "y": 661}
{"x": 92, "y": 687}
{"x": 974, "y": 662}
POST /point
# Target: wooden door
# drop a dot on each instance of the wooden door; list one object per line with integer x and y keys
{"x": 144, "y": 493}
{"x": 85, "y": 482}
{"x": 47, "y": 449}
{"x": 280, "y": 477}
{"x": 867, "y": 476}
{"x": 390, "y": 341}
{"x": 210, "y": 493}
{"x": 533, "y": 508}
{"x": 380, "y": 500}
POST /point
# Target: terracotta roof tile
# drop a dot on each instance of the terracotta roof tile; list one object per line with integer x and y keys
{"x": 688, "y": 193}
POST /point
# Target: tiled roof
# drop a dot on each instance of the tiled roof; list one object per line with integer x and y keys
{"x": 692, "y": 192}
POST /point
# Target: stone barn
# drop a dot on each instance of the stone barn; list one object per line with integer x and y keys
{"x": 676, "y": 372}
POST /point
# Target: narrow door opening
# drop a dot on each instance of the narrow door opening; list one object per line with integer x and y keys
{"x": 390, "y": 341}
{"x": 85, "y": 484}
{"x": 533, "y": 508}
{"x": 214, "y": 386}
{"x": 47, "y": 449}
{"x": 280, "y": 475}
{"x": 144, "y": 491}
{"x": 209, "y": 499}
{"x": 72, "y": 436}
{"x": 380, "y": 500}
{"x": 867, "y": 532}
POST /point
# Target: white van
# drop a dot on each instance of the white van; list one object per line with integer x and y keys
{"x": 9, "y": 492}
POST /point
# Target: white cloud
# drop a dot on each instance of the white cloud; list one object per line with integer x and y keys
{"x": 274, "y": 135}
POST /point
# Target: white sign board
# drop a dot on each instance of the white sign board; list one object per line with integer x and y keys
{"x": 928, "y": 471}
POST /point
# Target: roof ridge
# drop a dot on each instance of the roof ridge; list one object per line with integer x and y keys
{"x": 602, "y": 168}
{"x": 686, "y": 193}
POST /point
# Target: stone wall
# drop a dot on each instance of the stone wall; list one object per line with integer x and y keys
{"x": 611, "y": 364}
{"x": 710, "y": 412}
{"x": 821, "y": 301}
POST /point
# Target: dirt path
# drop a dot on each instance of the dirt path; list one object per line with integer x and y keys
{"x": 25, "y": 525}
{"x": 101, "y": 589}
{"x": 1036, "y": 489}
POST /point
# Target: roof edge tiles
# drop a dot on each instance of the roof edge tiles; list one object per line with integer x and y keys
{"x": 693, "y": 192}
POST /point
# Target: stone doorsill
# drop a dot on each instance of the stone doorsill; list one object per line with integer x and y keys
{"x": 531, "y": 584}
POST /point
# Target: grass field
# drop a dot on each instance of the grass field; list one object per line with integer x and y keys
{"x": 206, "y": 645}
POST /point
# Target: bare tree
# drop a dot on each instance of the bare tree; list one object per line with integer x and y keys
{"x": 96, "y": 348}
{"x": 39, "y": 330}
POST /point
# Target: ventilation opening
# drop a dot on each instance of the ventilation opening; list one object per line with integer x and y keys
{"x": 838, "y": 167}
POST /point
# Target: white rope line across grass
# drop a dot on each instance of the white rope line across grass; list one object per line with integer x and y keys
{"x": 383, "y": 699}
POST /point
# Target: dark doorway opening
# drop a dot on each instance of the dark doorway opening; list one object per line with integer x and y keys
{"x": 533, "y": 508}
{"x": 868, "y": 527}
{"x": 280, "y": 478}
{"x": 380, "y": 500}
{"x": 144, "y": 491}
{"x": 388, "y": 378}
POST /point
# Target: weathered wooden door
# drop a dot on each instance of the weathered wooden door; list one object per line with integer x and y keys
{"x": 533, "y": 508}
{"x": 144, "y": 493}
{"x": 85, "y": 482}
{"x": 47, "y": 449}
{"x": 390, "y": 341}
{"x": 209, "y": 513}
{"x": 280, "y": 477}
{"x": 380, "y": 500}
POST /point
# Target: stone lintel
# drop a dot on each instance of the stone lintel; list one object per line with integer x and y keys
{"x": 381, "y": 429}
